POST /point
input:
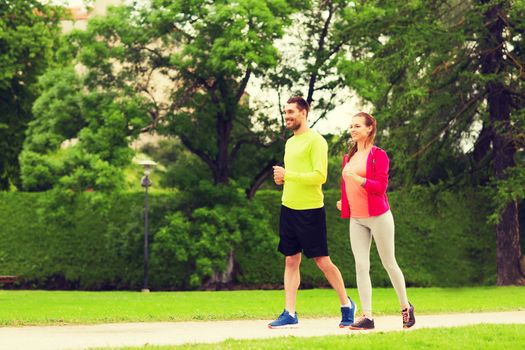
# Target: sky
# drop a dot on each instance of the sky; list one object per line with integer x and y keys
{"x": 335, "y": 122}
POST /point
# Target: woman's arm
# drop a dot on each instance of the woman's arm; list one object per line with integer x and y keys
{"x": 380, "y": 183}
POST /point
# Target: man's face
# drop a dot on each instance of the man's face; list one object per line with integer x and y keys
{"x": 293, "y": 116}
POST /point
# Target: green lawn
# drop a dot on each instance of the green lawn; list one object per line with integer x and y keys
{"x": 494, "y": 337}
{"x": 19, "y": 308}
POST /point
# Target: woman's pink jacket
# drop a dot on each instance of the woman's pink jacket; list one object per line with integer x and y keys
{"x": 377, "y": 165}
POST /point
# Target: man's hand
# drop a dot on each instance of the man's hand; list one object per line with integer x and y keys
{"x": 338, "y": 205}
{"x": 278, "y": 174}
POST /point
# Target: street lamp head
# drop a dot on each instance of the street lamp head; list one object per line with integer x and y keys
{"x": 148, "y": 166}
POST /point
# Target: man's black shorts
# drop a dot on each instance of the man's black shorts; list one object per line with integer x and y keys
{"x": 303, "y": 230}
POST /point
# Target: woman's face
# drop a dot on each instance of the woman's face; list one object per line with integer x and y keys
{"x": 358, "y": 129}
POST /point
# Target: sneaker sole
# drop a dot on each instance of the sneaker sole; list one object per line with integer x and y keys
{"x": 413, "y": 324}
{"x": 286, "y": 326}
{"x": 359, "y": 329}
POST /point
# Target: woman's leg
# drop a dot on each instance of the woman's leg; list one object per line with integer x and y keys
{"x": 360, "y": 241}
{"x": 383, "y": 231}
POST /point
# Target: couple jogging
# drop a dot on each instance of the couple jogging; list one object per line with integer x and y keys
{"x": 302, "y": 227}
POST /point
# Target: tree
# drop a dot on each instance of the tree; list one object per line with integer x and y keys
{"x": 203, "y": 54}
{"x": 501, "y": 31}
{"x": 446, "y": 81}
{"x": 308, "y": 65}
{"x": 311, "y": 55}
{"x": 101, "y": 123}
{"x": 29, "y": 35}
{"x": 177, "y": 67}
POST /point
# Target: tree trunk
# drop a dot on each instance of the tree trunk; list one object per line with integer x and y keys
{"x": 508, "y": 250}
{"x": 223, "y": 140}
{"x": 224, "y": 279}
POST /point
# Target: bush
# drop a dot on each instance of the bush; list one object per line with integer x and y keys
{"x": 442, "y": 239}
{"x": 92, "y": 241}
{"x": 61, "y": 240}
{"x": 216, "y": 223}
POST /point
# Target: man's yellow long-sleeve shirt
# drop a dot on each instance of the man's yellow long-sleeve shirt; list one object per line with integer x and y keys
{"x": 306, "y": 164}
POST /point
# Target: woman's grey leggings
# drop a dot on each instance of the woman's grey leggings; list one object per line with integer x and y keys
{"x": 381, "y": 228}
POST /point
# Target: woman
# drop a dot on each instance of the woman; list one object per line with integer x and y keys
{"x": 364, "y": 201}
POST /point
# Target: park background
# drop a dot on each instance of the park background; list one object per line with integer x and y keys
{"x": 198, "y": 86}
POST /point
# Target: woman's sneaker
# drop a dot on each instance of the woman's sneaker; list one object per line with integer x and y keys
{"x": 285, "y": 320}
{"x": 362, "y": 324}
{"x": 347, "y": 314}
{"x": 408, "y": 316}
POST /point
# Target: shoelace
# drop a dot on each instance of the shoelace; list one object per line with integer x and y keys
{"x": 406, "y": 315}
{"x": 361, "y": 320}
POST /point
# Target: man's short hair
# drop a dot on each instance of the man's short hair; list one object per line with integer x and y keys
{"x": 300, "y": 102}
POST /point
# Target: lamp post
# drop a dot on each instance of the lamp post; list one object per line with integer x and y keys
{"x": 146, "y": 183}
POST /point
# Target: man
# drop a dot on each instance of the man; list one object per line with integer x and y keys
{"x": 302, "y": 227}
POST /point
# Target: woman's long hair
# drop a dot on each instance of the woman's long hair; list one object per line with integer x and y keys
{"x": 369, "y": 121}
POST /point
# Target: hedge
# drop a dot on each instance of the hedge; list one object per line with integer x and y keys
{"x": 442, "y": 239}
{"x": 93, "y": 242}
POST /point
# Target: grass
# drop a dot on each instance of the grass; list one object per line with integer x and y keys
{"x": 494, "y": 337}
{"x": 22, "y": 308}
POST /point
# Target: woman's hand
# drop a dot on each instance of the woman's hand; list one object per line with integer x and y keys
{"x": 352, "y": 175}
{"x": 338, "y": 205}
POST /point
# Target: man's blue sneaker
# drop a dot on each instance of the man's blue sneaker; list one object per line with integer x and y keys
{"x": 285, "y": 320}
{"x": 348, "y": 314}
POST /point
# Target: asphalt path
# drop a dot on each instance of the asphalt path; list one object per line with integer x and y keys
{"x": 176, "y": 333}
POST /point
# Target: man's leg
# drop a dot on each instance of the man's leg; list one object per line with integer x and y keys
{"x": 334, "y": 277}
{"x": 290, "y": 247}
{"x": 292, "y": 279}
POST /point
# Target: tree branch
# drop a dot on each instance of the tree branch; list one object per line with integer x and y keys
{"x": 319, "y": 51}
{"x": 243, "y": 84}
{"x": 260, "y": 178}
{"x": 253, "y": 141}
{"x": 517, "y": 64}
{"x": 198, "y": 152}
{"x": 449, "y": 124}
{"x": 325, "y": 112}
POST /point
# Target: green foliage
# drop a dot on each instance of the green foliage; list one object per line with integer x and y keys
{"x": 509, "y": 189}
{"x": 95, "y": 241}
{"x": 60, "y": 239}
{"x": 100, "y": 126}
{"x": 203, "y": 53}
{"x": 446, "y": 83}
{"x": 29, "y": 36}
{"x": 310, "y": 55}
{"x": 204, "y": 235}
{"x": 421, "y": 66}
{"x": 436, "y": 232}
{"x": 177, "y": 167}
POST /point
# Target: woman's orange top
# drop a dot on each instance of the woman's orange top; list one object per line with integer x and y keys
{"x": 356, "y": 194}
